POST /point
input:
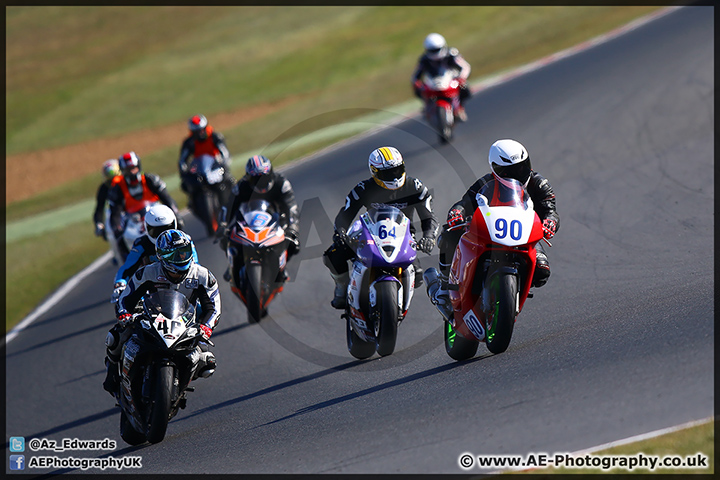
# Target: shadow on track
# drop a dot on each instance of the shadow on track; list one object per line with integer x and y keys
{"x": 377, "y": 388}
{"x": 53, "y": 341}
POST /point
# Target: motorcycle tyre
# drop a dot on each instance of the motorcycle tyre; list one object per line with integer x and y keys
{"x": 161, "y": 403}
{"x": 458, "y": 347}
{"x": 358, "y": 347}
{"x": 206, "y": 211}
{"x": 387, "y": 320}
{"x": 502, "y": 298}
{"x": 128, "y": 433}
{"x": 253, "y": 293}
{"x": 445, "y": 125}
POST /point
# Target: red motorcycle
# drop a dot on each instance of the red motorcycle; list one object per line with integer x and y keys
{"x": 492, "y": 270}
{"x": 441, "y": 93}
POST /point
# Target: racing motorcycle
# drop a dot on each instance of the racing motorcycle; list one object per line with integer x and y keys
{"x": 492, "y": 270}
{"x": 441, "y": 93}
{"x": 209, "y": 190}
{"x": 133, "y": 227}
{"x": 156, "y": 366}
{"x": 257, "y": 252}
{"x": 382, "y": 280}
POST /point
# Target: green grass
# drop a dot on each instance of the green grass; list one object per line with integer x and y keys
{"x": 98, "y": 72}
{"x": 684, "y": 443}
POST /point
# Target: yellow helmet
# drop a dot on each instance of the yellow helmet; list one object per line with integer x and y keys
{"x": 387, "y": 167}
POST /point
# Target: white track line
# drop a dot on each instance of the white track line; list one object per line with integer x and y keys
{"x": 495, "y": 80}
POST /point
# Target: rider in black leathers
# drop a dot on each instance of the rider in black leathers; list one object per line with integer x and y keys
{"x": 261, "y": 182}
{"x": 388, "y": 185}
{"x": 508, "y": 159}
{"x": 436, "y": 56}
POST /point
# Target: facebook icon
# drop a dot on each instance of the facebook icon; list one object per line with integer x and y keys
{"x": 17, "y": 462}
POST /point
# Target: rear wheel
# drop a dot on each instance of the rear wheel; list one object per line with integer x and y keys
{"x": 358, "y": 347}
{"x": 253, "y": 292}
{"x": 501, "y": 317}
{"x": 387, "y": 321}
{"x": 128, "y": 433}
{"x": 161, "y": 403}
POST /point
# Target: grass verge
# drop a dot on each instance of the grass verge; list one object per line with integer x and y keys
{"x": 687, "y": 443}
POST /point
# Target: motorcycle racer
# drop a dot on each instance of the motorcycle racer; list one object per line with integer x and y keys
{"x": 508, "y": 159}
{"x": 110, "y": 170}
{"x": 175, "y": 269}
{"x": 129, "y": 191}
{"x": 202, "y": 140}
{"x": 437, "y": 55}
{"x": 261, "y": 182}
{"x": 387, "y": 185}
{"x": 157, "y": 219}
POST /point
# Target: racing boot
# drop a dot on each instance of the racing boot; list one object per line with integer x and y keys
{"x": 341, "y": 285}
{"x": 204, "y": 361}
{"x": 112, "y": 379}
{"x": 113, "y": 346}
{"x": 542, "y": 268}
{"x": 438, "y": 293}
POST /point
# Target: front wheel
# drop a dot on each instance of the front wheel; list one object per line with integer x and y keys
{"x": 161, "y": 403}
{"x": 386, "y": 323}
{"x": 445, "y": 123}
{"x": 253, "y": 291}
{"x": 502, "y": 293}
{"x": 205, "y": 206}
{"x": 458, "y": 347}
{"x": 128, "y": 433}
{"x": 358, "y": 347}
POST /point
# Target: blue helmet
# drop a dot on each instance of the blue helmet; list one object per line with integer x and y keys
{"x": 174, "y": 251}
{"x": 259, "y": 173}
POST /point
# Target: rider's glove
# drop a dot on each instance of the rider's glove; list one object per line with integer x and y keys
{"x": 454, "y": 218}
{"x": 100, "y": 230}
{"x": 117, "y": 290}
{"x": 205, "y": 331}
{"x": 124, "y": 319}
{"x": 294, "y": 244}
{"x": 340, "y": 237}
{"x": 417, "y": 87}
{"x": 549, "y": 228}
{"x": 426, "y": 244}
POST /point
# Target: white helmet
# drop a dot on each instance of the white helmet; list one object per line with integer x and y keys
{"x": 435, "y": 46}
{"x": 509, "y": 159}
{"x": 387, "y": 167}
{"x": 158, "y": 219}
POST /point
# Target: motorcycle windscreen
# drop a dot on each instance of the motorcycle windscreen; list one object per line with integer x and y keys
{"x": 508, "y": 193}
{"x": 170, "y": 303}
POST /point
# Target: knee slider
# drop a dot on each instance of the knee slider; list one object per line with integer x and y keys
{"x": 112, "y": 340}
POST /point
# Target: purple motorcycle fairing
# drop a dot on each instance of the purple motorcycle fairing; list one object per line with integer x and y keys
{"x": 368, "y": 253}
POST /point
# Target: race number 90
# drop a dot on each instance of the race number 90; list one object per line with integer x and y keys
{"x": 502, "y": 230}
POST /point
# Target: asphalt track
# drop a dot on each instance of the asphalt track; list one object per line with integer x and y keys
{"x": 619, "y": 343}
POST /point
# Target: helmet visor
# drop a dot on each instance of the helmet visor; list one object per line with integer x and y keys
{"x": 178, "y": 257}
{"x": 154, "y": 231}
{"x": 390, "y": 174}
{"x": 519, "y": 171}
